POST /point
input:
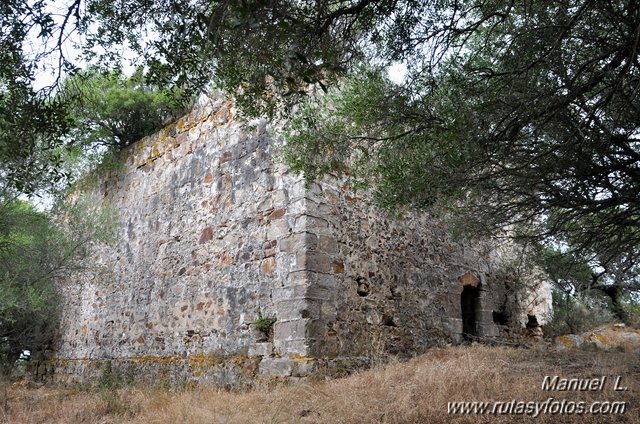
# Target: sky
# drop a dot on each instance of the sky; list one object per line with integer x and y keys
{"x": 397, "y": 72}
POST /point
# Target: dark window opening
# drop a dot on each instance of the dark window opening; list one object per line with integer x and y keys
{"x": 532, "y": 322}
{"x": 468, "y": 303}
{"x": 500, "y": 318}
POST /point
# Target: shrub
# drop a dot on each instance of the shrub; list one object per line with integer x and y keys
{"x": 265, "y": 325}
{"x": 34, "y": 251}
{"x": 573, "y": 315}
{"x": 631, "y": 305}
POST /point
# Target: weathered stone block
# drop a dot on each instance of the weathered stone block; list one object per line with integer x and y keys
{"x": 293, "y": 347}
{"x": 290, "y": 330}
{"x": 469, "y": 279}
{"x": 296, "y": 307}
{"x": 268, "y": 265}
{"x": 312, "y": 224}
{"x": 298, "y": 242}
{"x": 277, "y": 229}
{"x": 280, "y": 367}
{"x": 261, "y": 349}
{"x": 300, "y": 277}
{"x": 487, "y": 330}
{"x": 314, "y": 261}
{"x": 328, "y": 244}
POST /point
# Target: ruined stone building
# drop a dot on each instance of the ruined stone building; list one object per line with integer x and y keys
{"x": 229, "y": 269}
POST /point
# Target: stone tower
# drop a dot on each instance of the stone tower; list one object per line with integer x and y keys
{"x": 215, "y": 236}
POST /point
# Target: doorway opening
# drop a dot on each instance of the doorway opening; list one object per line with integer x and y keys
{"x": 469, "y": 304}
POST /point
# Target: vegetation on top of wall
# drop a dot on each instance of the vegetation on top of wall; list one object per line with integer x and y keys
{"x": 108, "y": 111}
{"x": 113, "y": 110}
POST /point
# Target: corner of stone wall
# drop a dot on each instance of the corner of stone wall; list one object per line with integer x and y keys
{"x": 304, "y": 302}
{"x": 289, "y": 353}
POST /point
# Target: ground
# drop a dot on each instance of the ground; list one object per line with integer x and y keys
{"x": 416, "y": 391}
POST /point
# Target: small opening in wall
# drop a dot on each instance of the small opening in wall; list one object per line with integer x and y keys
{"x": 388, "y": 320}
{"x": 363, "y": 289}
{"x": 469, "y": 303}
{"x": 500, "y": 318}
{"x": 532, "y": 322}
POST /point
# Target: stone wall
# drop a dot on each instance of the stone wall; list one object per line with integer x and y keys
{"x": 213, "y": 234}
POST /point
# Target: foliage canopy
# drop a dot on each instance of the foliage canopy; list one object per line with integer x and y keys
{"x": 525, "y": 114}
{"x": 112, "y": 110}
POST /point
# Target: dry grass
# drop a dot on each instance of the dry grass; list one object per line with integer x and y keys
{"x": 412, "y": 392}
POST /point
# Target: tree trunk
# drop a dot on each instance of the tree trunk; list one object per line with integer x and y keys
{"x": 614, "y": 293}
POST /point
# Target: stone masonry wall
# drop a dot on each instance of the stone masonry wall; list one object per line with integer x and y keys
{"x": 387, "y": 284}
{"x": 213, "y": 234}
